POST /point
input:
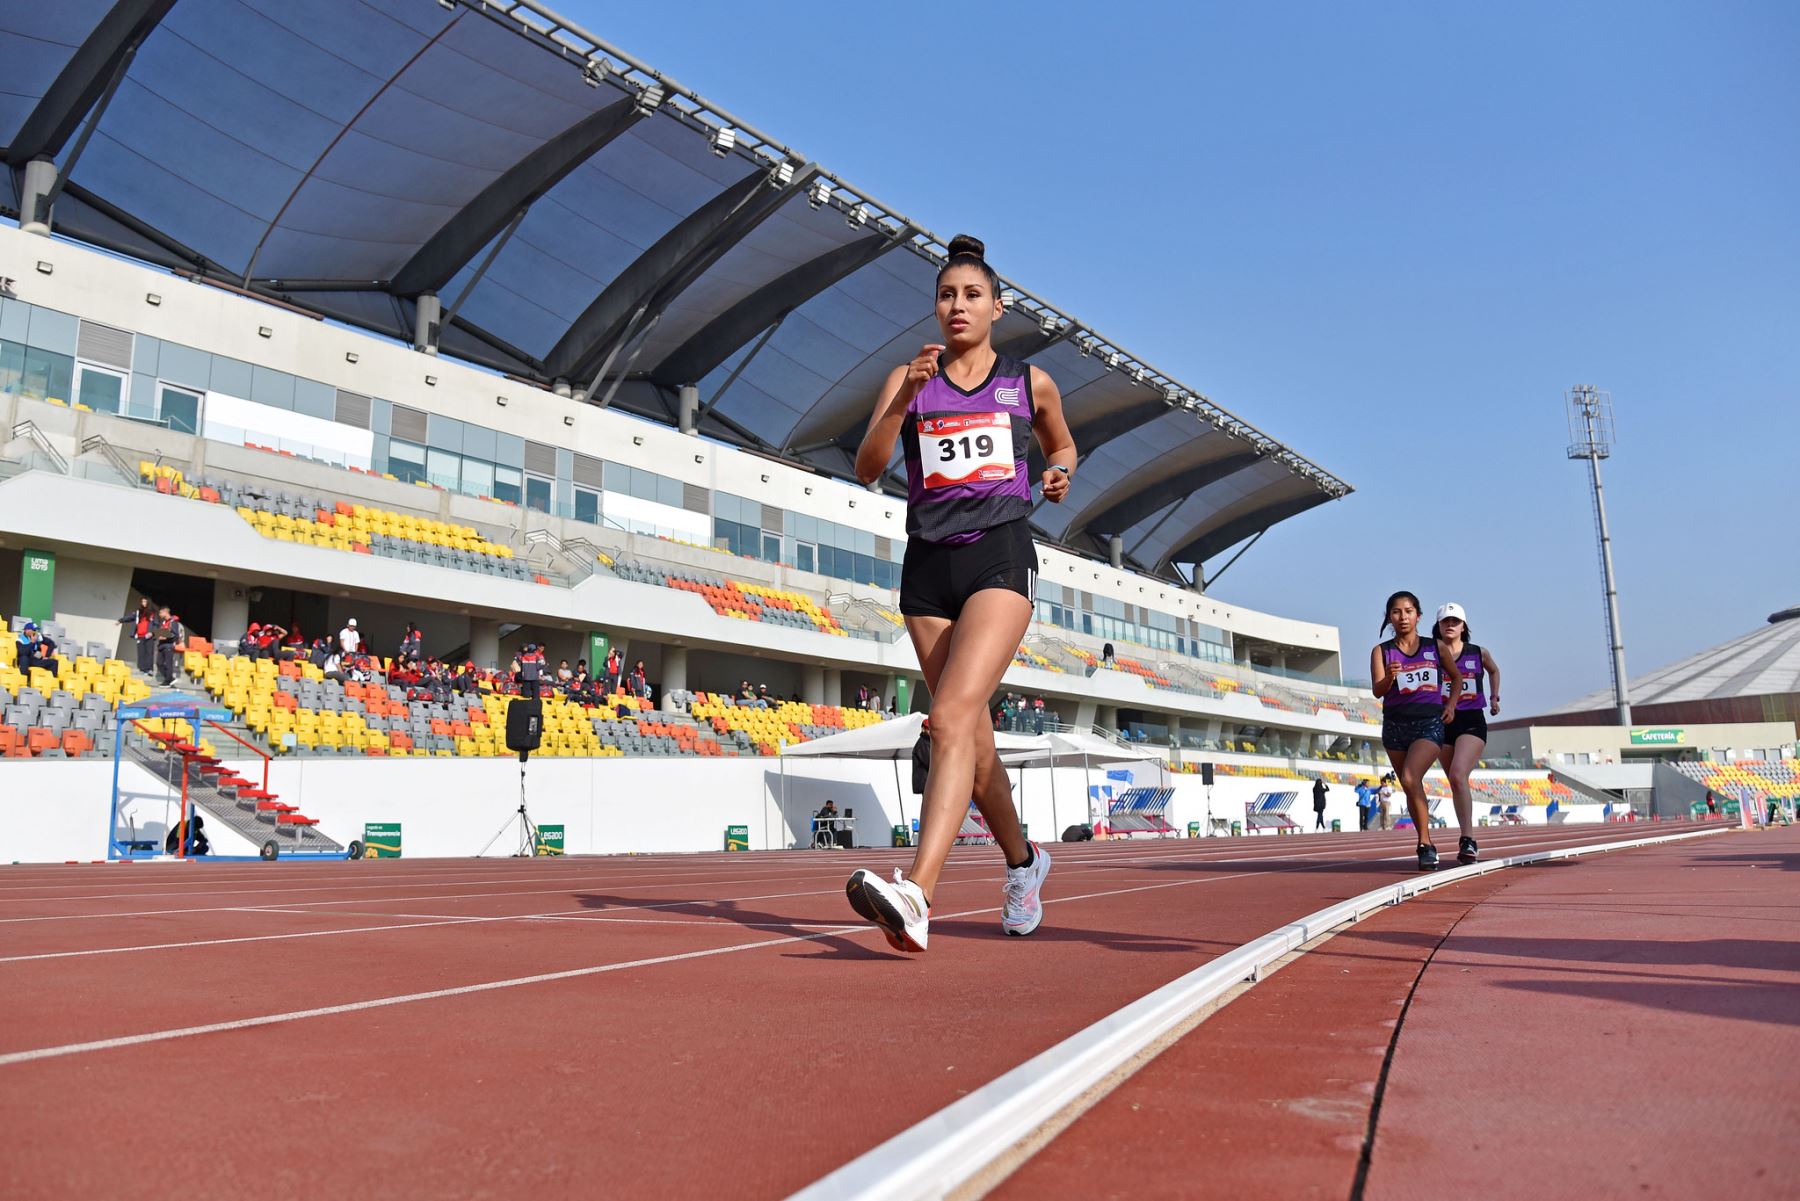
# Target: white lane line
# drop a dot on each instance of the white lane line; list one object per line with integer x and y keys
{"x": 939, "y": 1155}
{"x": 355, "y": 1006}
{"x": 412, "y": 921}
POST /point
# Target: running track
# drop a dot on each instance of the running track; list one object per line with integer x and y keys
{"x": 654, "y": 1026}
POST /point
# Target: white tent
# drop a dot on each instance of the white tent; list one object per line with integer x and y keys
{"x": 894, "y": 740}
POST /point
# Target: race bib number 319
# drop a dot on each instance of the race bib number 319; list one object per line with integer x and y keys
{"x": 967, "y": 448}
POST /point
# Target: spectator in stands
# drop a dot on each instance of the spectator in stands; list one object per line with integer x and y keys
{"x": 564, "y": 674}
{"x": 528, "y": 668}
{"x": 36, "y": 649}
{"x": 615, "y": 669}
{"x": 268, "y": 640}
{"x": 320, "y": 653}
{"x": 1037, "y": 716}
{"x": 640, "y": 683}
{"x": 466, "y": 681}
{"x": 1712, "y": 804}
{"x": 170, "y": 636}
{"x": 349, "y": 638}
{"x": 333, "y": 667}
{"x": 412, "y": 646}
{"x": 1107, "y": 656}
{"x": 250, "y": 645}
{"x": 294, "y": 645}
{"x": 1319, "y": 794}
{"x": 890, "y": 707}
{"x": 862, "y": 696}
{"x": 142, "y": 621}
{"x": 746, "y": 692}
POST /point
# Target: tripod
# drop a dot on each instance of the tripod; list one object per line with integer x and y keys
{"x": 528, "y": 835}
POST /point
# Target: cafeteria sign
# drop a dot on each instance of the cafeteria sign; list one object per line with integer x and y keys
{"x": 1658, "y": 736}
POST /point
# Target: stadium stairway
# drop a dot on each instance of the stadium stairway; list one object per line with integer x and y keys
{"x": 222, "y": 796}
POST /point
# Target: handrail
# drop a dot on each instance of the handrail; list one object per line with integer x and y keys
{"x": 28, "y": 429}
{"x": 249, "y": 746}
{"x": 94, "y": 442}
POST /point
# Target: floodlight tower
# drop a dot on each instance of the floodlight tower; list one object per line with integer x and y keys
{"x": 1591, "y": 438}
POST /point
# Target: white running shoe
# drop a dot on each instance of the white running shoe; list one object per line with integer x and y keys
{"x": 898, "y": 908}
{"x": 1024, "y": 907}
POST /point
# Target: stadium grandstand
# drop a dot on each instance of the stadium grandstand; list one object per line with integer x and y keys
{"x": 578, "y": 375}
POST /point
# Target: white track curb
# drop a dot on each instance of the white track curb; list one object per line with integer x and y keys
{"x": 952, "y": 1146}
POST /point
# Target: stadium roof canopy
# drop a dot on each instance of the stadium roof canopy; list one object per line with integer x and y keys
{"x": 487, "y": 178}
{"x": 1762, "y": 666}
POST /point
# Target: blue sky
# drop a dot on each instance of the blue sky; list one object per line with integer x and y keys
{"x": 1390, "y": 235}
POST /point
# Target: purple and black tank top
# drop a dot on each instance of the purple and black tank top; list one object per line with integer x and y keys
{"x": 966, "y": 468}
{"x": 1474, "y": 694}
{"x": 1418, "y": 689}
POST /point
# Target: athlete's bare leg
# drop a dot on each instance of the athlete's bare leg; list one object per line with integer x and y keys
{"x": 1459, "y": 761}
{"x": 967, "y": 657}
{"x": 1411, "y": 767}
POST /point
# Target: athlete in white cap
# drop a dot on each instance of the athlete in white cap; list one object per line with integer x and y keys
{"x": 1465, "y": 736}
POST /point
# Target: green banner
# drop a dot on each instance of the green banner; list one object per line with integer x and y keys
{"x": 1658, "y": 736}
{"x": 903, "y": 696}
{"x": 37, "y": 585}
{"x": 598, "y": 645}
{"x": 737, "y": 838}
{"x": 381, "y": 840}
{"x": 549, "y": 840}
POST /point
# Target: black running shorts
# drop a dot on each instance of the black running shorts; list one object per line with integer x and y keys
{"x": 1467, "y": 721}
{"x": 938, "y": 578}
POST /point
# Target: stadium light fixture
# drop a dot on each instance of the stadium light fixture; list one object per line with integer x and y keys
{"x": 501, "y": 401}
{"x": 1085, "y": 346}
{"x": 650, "y": 99}
{"x": 1112, "y": 359}
{"x": 818, "y": 195}
{"x": 263, "y": 331}
{"x": 45, "y": 268}
{"x": 1008, "y": 298}
{"x": 568, "y": 420}
{"x": 857, "y": 217}
{"x": 782, "y": 175}
{"x": 637, "y": 439}
{"x": 723, "y": 139}
{"x": 152, "y": 299}
{"x": 1138, "y": 374}
{"x": 431, "y": 381}
{"x": 350, "y": 356}
{"x": 1047, "y": 322}
{"x": 1172, "y": 394}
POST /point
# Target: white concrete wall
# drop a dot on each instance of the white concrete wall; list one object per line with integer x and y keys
{"x": 91, "y": 597}
{"x": 52, "y": 811}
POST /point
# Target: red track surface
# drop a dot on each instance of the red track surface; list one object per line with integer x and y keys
{"x": 652, "y": 1026}
{"x": 1621, "y": 1026}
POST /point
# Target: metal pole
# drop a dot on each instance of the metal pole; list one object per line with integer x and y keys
{"x": 1615, "y": 634}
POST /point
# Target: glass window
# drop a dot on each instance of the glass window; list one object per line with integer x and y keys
{"x": 804, "y": 556}
{"x": 771, "y": 547}
{"x": 178, "y": 408}
{"x": 668, "y": 491}
{"x": 406, "y": 462}
{"x": 443, "y": 468}
{"x": 805, "y": 527}
{"x": 537, "y": 493}
{"x": 477, "y": 477}
{"x": 99, "y": 389}
{"x": 45, "y": 374}
{"x": 507, "y": 482}
{"x": 725, "y": 505}
{"x": 587, "y": 506}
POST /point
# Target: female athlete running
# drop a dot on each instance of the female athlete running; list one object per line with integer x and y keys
{"x": 1465, "y": 735}
{"x": 965, "y": 416}
{"x": 1418, "y": 683}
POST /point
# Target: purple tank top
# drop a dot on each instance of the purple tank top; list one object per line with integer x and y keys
{"x": 1473, "y": 695}
{"x": 1418, "y": 689}
{"x": 966, "y": 468}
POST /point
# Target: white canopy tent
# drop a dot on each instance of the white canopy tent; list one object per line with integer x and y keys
{"x": 894, "y": 740}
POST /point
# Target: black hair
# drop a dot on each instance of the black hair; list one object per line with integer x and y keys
{"x": 967, "y": 251}
{"x": 1401, "y": 595}
{"x": 1468, "y": 635}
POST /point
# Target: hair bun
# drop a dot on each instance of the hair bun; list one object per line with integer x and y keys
{"x": 966, "y": 244}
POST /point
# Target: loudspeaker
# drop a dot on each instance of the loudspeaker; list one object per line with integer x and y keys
{"x": 1206, "y": 774}
{"x": 524, "y": 724}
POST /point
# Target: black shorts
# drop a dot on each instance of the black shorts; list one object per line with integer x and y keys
{"x": 938, "y": 578}
{"x": 1467, "y": 721}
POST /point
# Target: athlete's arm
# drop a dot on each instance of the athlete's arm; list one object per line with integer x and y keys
{"x": 1053, "y": 435}
{"x": 1381, "y": 676}
{"x": 1493, "y": 670}
{"x": 1452, "y": 680}
{"x": 903, "y": 383}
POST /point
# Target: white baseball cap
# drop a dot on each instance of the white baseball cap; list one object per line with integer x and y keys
{"x": 1440, "y": 614}
{"x": 1452, "y": 610}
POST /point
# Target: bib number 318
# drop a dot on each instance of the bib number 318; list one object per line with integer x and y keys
{"x": 966, "y": 449}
